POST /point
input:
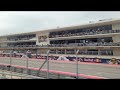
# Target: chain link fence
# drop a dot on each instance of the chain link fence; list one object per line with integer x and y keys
{"x": 31, "y": 68}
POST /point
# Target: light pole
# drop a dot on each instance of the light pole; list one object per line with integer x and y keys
{"x": 28, "y": 55}
{"x": 48, "y": 64}
{"x": 11, "y": 62}
{"x": 36, "y": 53}
{"x": 27, "y": 64}
{"x": 77, "y": 63}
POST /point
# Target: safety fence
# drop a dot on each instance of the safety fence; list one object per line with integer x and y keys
{"x": 48, "y": 69}
{"x": 32, "y": 73}
{"x": 68, "y": 58}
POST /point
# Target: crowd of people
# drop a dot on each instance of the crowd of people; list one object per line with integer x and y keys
{"x": 70, "y": 44}
{"x": 91, "y": 32}
{"x": 22, "y": 45}
{"x": 20, "y": 38}
{"x": 85, "y": 44}
{"x": 64, "y": 34}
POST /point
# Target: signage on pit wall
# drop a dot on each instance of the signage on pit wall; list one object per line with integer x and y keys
{"x": 97, "y": 60}
{"x": 92, "y": 60}
{"x": 88, "y": 60}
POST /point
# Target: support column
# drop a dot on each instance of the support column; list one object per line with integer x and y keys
{"x": 75, "y": 50}
{"x": 99, "y": 53}
{"x": 65, "y": 51}
{"x": 56, "y": 51}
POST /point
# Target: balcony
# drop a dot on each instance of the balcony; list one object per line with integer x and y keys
{"x": 17, "y": 39}
{"x": 93, "y": 32}
{"x": 85, "y": 44}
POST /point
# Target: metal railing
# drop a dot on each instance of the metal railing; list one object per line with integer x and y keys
{"x": 25, "y": 71}
{"x": 68, "y": 45}
{"x": 19, "y": 39}
{"x": 19, "y": 55}
{"x": 86, "y": 52}
{"x": 47, "y": 73}
{"x": 19, "y": 73}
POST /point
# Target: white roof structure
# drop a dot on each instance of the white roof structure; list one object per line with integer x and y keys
{"x": 63, "y": 58}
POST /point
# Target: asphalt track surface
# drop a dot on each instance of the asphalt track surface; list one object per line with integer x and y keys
{"x": 92, "y": 69}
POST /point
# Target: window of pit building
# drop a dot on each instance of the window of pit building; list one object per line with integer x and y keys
{"x": 92, "y": 52}
{"x": 105, "y": 39}
{"x": 61, "y": 51}
{"x": 59, "y": 42}
{"x": 70, "y": 51}
{"x": 106, "y": 52}
{"x": 53, "y": 51}
{"x": 81, "y": 30}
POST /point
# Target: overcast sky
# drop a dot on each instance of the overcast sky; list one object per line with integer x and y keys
{"x": 12, "y": 22}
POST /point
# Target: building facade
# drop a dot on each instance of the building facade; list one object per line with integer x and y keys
{"x": 93, "y": 40}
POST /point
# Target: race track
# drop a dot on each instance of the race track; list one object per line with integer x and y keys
{"x": 101, "y": 70}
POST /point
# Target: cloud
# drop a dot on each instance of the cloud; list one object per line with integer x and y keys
{"x": 26, "y": 21}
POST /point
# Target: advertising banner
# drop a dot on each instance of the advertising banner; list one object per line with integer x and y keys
{"x": 42, "y": 38}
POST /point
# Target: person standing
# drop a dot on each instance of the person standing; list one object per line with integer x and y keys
{"x": 28, "y": 53}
